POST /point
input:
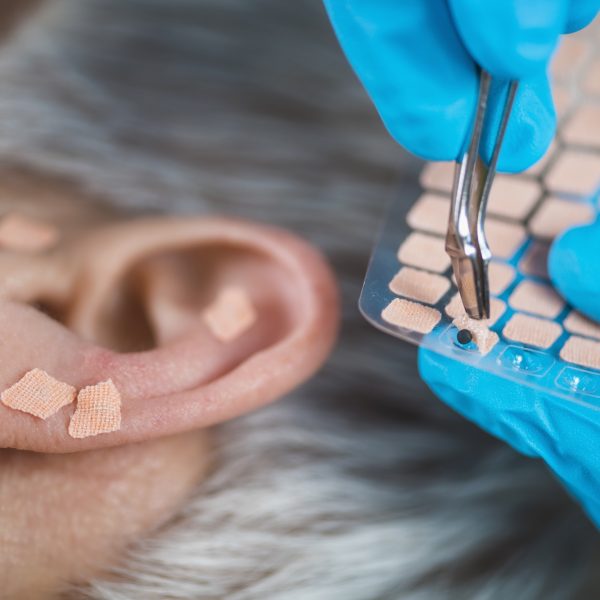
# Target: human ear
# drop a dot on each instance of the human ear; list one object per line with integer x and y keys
{"x": 128, "y": 301}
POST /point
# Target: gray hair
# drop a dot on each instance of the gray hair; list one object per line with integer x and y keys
{"x": 360, "y": 485}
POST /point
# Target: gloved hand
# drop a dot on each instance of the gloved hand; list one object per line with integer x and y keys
{"x": 417, "y": 59}
{"x": 566, "y": 435}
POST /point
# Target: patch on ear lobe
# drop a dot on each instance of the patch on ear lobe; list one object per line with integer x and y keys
{"x": 98, "y": 410}
{"x": 231, "y": 314}
{"x": 25, "y": 234}
{"x": 38, "y": 394}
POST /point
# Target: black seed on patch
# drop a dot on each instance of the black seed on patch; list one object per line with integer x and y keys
{"x": 464, "y": 337}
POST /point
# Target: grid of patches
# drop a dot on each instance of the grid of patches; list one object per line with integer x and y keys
{"x": 534, "y": 332}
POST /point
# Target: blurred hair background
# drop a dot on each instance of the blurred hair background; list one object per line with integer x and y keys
{"x": 361, "y": 484}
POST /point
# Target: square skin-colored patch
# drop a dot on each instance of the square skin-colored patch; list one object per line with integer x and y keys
{"x": 98, "y": 410}
{"x": 231, "y": 314}
{"x": 25, "y": 234}
{"x": 38, "y": 394}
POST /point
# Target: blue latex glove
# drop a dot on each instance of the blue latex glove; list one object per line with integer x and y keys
{"x": 566, "y": 435}
{"x": 417, "y": 59}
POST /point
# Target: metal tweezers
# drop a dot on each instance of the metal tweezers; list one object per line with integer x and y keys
{"x": 466, "y": 243}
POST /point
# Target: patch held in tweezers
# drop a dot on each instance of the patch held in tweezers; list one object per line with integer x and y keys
{"x": 483, "y": 336}
{"x": 21, "y": 233}
{"x": 556, "y": 215}
{"x": 575, "y": 322}
{"x": 456, "y": 309}
{"x": 581, "y": 351}
{"x": 536, "y": 298}
{"x": 98, "y": 410}
{"x": 38, "y": 394}
{"x": 504, "y": 239}
{"x": 535, "y": 260}
{"x": 424, "y": 251}
{"x": 575, "y": 172}
{"x": 438, "y": 175}
{"x": 411, "y": 315}
{"x": 430, "y": 213}
{"x": 419, "y": 285}
{"x": 231, "y": 314}
{"x": 513, "y": 197}
{"x": 532, "y": 331}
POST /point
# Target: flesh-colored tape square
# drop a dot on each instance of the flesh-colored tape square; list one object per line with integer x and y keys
{"x": 513, "y": 197}
{"x": 438, "y": 175}
{"x": 575, "y": 172}
{"x": 231, "y": 314}
{"x": 582, "y": 352}
{"x": 577, "y": 323}
{"x": 26, "y": 234}
{"x": 424, "y": 251}
{"x": 430, "y": 213}
{"x": 411, "y": 315}
{"x": 455, "y": 309}
{"x": 504, "y": 238}
{"x": 38, "y": 394}
{"x": 483, "y": 336}
{"x": 98, "y": 410}
{"x": 583, "y": 128}
{"x": 555, "y": 215}
{"x": 536, "y": 298}
{"x": 500, "y": 275}
{"x": 532, "y": 330}
{"x": 419, "y": 285}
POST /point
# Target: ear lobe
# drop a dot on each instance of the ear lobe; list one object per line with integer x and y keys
{"x": 135, "y": 312}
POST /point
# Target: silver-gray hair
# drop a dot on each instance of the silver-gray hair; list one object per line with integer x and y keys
{"x": 360, "y": 485}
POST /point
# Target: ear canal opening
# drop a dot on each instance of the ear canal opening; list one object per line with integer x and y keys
{"x": 161, "y": 298}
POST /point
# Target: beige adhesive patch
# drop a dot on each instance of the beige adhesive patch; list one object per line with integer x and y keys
{"x": 582, "y": 352}
{"x": 504, "y": 239}
{"x": 455, "y": 309}
{"x": 430, "y": 213}
{"x": 575, "y": 172}
{"x": 231, "y": 314}
{"x": 535, "y": 260}
{"x": 536, "y": 298}
{"x": 583, "y": 127}
{"x": 500, "y": 276}
{"x": 570, "y": 56}
{"x": 419, "y": 285}
{"x": 424, "y": 251}
{"x": 563, "y": 98}
{"x": 26, "y": 234}
{"x": 532, "y": 330}
{"x": 513, "y": 197}
{"x": 591, "y": 82}
{"x": 438, "y": 175}
{"x": 38, "y": 394}
{"x": 577, "y": 323}
{"x": 484, "y": 338}
{"x": 556, "y": 215}
{"x": 98, "y": 410}
{"x": 411, "y": 315}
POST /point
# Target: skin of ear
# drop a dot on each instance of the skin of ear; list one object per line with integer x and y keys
{"x": 97, "y": 503}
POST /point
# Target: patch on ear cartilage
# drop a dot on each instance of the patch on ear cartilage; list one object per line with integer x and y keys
{"x": 231, "y": 314}
{"x": 26, "y": 234}
{"x": 483, "y": 336}
{"x": 98, "y": 410}
{"x": 38, "y": 394}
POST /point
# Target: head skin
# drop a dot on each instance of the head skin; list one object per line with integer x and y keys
{"x": 71, "y": 507}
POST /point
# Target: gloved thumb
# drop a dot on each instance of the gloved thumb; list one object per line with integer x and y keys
{"x": 574, "y": 267}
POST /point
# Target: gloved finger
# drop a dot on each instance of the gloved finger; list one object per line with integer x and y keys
{"x": 534, "y": 422}
{"x": 411, "y": 61}
{"x": 531, "y": 126}
{"x": 581, "y": 13}
{"x": 574, "y": 267}
{"x": 511, "y": 39}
